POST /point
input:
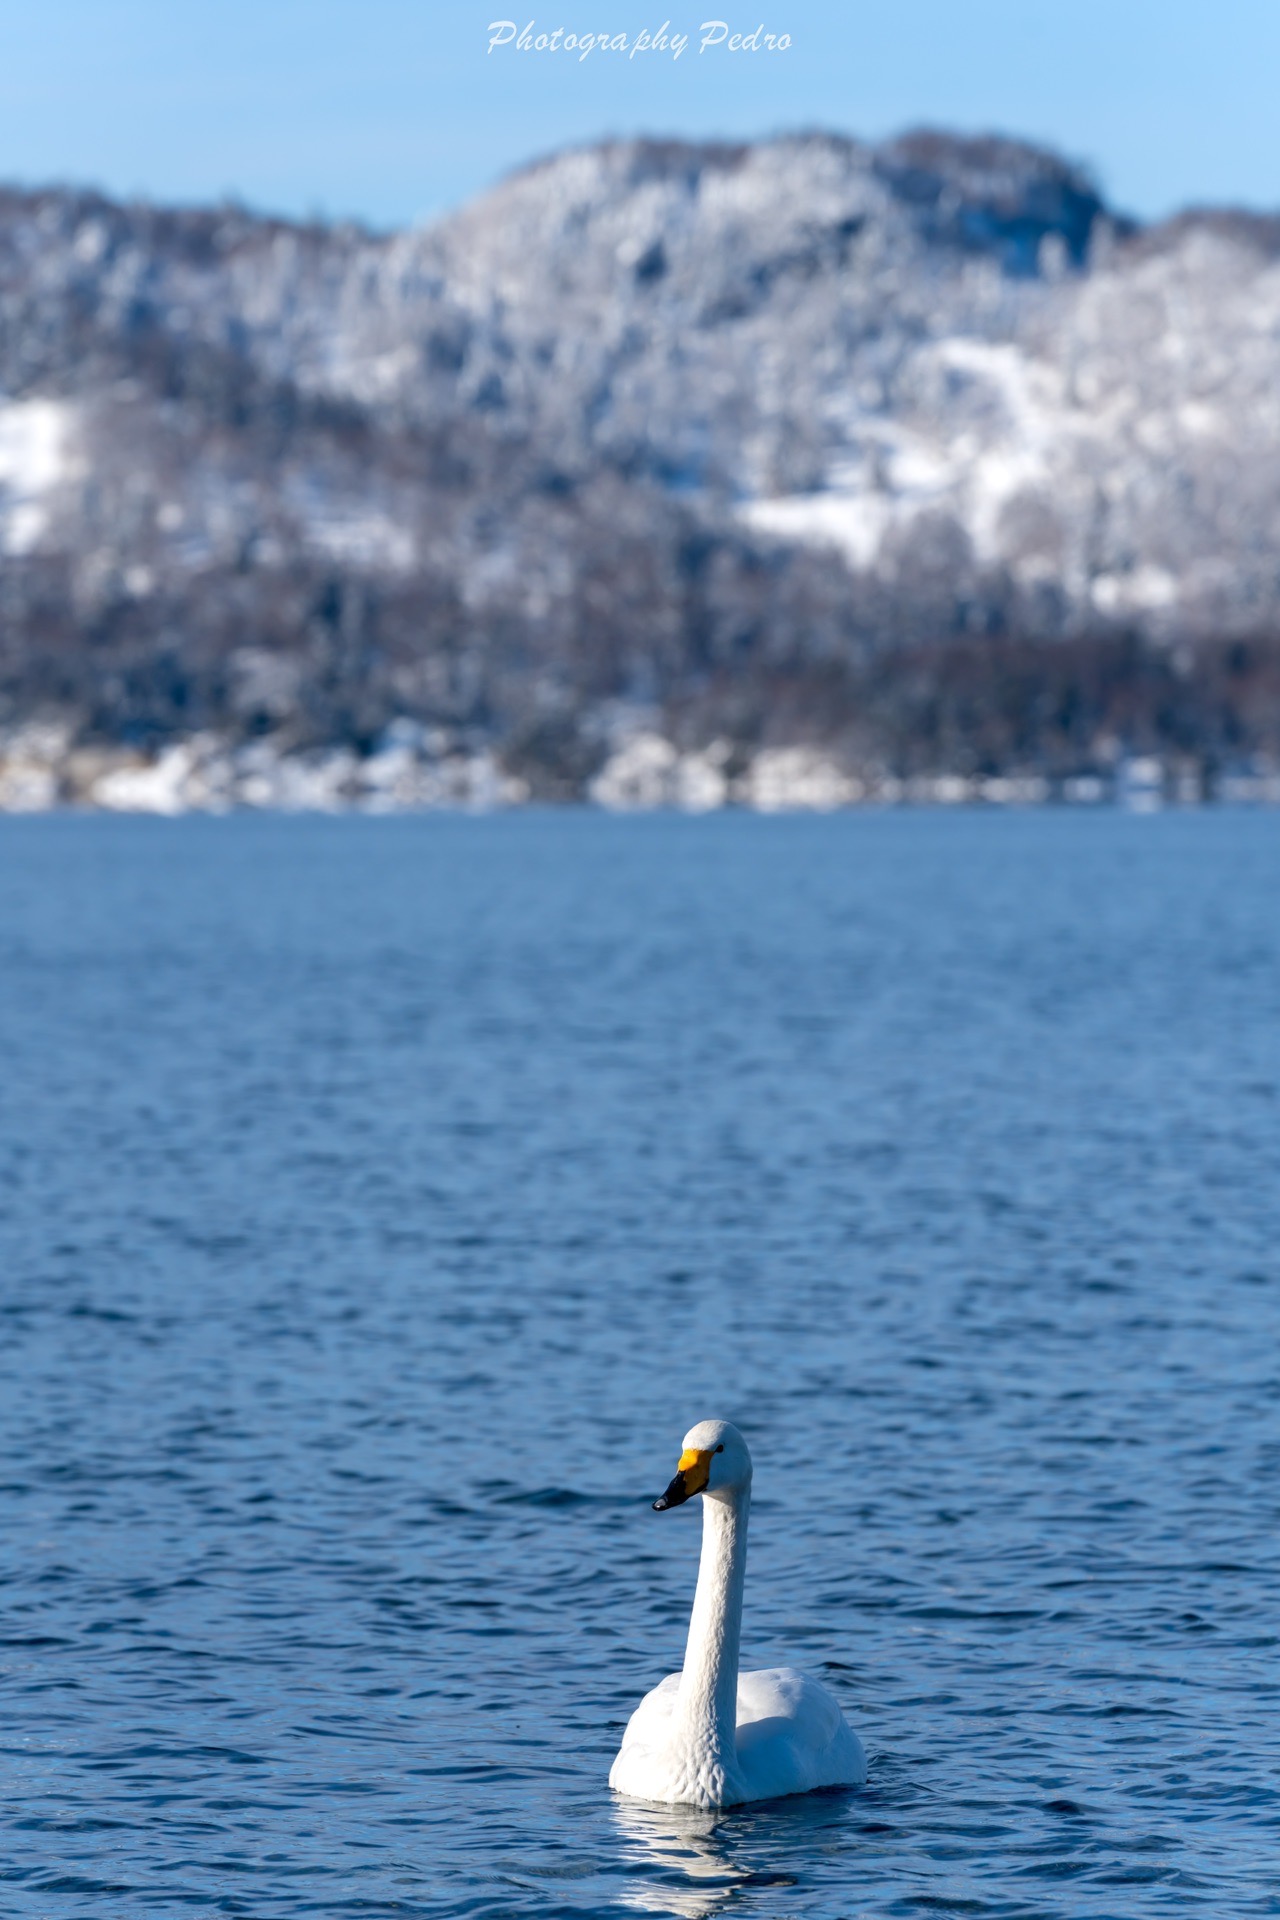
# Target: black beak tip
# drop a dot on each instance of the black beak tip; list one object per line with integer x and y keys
{"x": 661, "y": 1504}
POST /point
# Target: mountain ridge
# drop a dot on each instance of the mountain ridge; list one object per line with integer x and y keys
{"x": 807, "y": 446}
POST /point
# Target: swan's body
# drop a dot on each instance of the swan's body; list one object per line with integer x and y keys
{"x": 711, "y": 1736}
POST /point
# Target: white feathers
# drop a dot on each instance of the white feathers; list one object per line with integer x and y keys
{"x": 710, "y": 1736}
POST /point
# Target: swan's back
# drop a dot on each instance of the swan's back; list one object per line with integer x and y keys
{"x": 792, "y": 1736}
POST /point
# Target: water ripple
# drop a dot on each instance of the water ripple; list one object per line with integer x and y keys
{"x": 380, "y": 1202}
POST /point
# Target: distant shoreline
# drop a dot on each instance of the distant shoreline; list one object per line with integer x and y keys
{"x": 42, "y": 772}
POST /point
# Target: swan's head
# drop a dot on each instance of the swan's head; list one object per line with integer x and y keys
{"x": 715, "y": 1461}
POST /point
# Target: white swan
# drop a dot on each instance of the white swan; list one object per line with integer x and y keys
{"x": 711, "y": 1736}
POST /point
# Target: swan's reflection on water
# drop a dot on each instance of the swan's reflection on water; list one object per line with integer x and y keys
{"x": 694, "y": 1863}
{"x": 689, "y": 1867}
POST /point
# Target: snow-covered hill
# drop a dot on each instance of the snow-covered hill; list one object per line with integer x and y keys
{"x": 687, "y": 443}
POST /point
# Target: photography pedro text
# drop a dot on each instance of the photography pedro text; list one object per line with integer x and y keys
{"x": 712, "y": 33}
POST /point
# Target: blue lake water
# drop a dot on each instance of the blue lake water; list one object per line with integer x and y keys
{"x": 382, "y": 1200}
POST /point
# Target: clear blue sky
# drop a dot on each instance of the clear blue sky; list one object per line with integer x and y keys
{"x": 392, "y": 110}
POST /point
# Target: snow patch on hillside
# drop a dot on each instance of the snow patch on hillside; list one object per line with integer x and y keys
{"x": 39, "y": 453}
{"x": 989, "y": 437}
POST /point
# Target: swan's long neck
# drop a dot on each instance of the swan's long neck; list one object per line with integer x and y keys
{"x": 708, "y": 1699}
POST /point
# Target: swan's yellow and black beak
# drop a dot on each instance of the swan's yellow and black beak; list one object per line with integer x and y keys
{"x": 692, "y": 1475}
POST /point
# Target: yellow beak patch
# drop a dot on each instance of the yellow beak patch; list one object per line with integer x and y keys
{"x": 695, "y": 1465}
